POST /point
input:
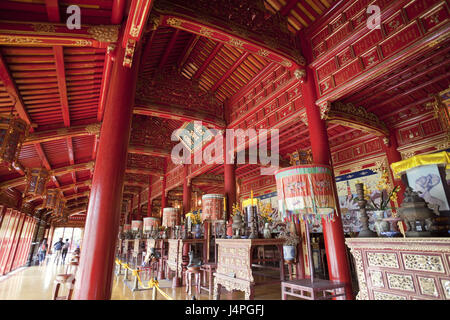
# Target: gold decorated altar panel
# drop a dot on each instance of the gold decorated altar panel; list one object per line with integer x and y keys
{"x": 175, "y": 253}
{"x": 402, "y": 268}
{"x": 234, "y": 264}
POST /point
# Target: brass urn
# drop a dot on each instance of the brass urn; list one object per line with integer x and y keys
{"x": 416, "y": 215}
{"x": 237, "y": 225}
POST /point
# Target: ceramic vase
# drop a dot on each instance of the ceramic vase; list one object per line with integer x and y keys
{"x": 380, "y": 225}
{"x": 289, "y": 253}
{"x": 267, "y": 233}
{"x": 198, "y": 231}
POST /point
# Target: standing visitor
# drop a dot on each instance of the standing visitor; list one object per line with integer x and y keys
{"x": 65, "y": 248}
{"x": 58, "y": 248}
{"x": 42, "y": 251}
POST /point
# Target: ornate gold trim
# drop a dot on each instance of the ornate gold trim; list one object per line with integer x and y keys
{"x": 104, "y": 33}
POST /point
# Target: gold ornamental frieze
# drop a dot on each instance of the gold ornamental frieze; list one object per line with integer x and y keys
{"x": 104, "y": 33}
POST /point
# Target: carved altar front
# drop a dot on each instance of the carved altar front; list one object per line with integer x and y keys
{"x": 402, "y": 268}
{"x": 175, "y": 254}
{"x": 234, "y": 264}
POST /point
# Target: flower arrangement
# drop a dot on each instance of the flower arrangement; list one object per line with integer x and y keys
{"x": 195, "y": 218}
{"x": 384, "y": 190}
{"x": 266, "y": 212}
{"x": 236, "y": 209}
{"x": 290, "y": 239}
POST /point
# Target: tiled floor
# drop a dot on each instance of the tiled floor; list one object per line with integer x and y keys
{"x": 36, "y": 283}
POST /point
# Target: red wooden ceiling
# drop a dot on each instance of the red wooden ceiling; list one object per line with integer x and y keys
{"x": 61, "y": 87}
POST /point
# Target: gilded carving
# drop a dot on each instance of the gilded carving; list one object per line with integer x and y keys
{"x": 104, "y": 33}
{"x": 82, "y": 43}
{"x": 206, "y": 32}
{"x": 263, "y": 52}
{"x": 286, "y": 63}
{"x": 355, "y": 116}
{"x": 376, "y": 278}
{"x": 387, "y": 296}
{"x": 381, "y": 259}
{"x": 43, "y": 27}
{"x": 446, "y": 286}
{"x": 174, "y": 22}
{"x": 427, "y": 286}
{"x": 423, "y": 262}
{"x": 300, "y": 74}
{"x": 362, "y": 294}
{"x": 400, "y": 282}
{"x": 18, "y": 40}
{"x": 93, "y": 129}
{"x": 236, "y": 43}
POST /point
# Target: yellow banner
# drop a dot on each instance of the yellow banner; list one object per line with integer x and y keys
{"x": 421, "y": 160}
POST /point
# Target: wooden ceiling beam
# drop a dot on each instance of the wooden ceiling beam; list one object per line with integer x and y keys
{"x": 12, "y": 91}
{"x": 169, "y": 48}
{"x": 52, "y": 10}
{"x": 208, "y": 60}
{"x": 175, "y": 113}
{"x": 61, "y": 78}
{"x": 77, "y": 195}
{"x": 361, "y": 95}
{"x": 407, "y": 93}
{"x": 26, "y": 33}
{"x": 63, "y": 133}
{"x": 288, "y": 7}
{"x": 144, "y": 171}
{"x": 230, "y": 71}
{"x": 149, "y": 151}
{"x": 45, "y": 162}
{"x": 187, "y": 50}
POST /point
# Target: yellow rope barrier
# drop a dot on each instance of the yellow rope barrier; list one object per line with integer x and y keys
{"x": 152, "y": 282}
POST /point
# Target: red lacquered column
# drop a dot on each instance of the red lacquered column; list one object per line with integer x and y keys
{"x": 338, "y": 266}
{"x": 230, "y": 186}
{"x": 163, "y": 194}
{"x": 230, "y": 192}
{"x": 139, "y": 213}
{"x": 186, "y": 192}
{"x": 94, "y": 278}
{"x": 149, "y": 201}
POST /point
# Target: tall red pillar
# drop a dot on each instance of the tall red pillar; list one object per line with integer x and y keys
{"x": 163, "y": 194}
{"x": 139, "y": 212}
{"x": 392, "y": 156}
{"x": 94, "y": 278}
{"x": 230, "y": 186}
{"x": 187, "y": 192}
{"x": 149, "y": 202}
{"x": 338, "y": 265}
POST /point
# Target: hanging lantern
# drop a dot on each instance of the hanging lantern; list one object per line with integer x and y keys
{"x": 60, "y": 209}
{"x": 52, "y": 198}
{"x": 37, "y": 179}
{"x": 13, "y": 132}
{"x": 307, "y": 191}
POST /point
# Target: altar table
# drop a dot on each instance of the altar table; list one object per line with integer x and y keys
{"x": 234, "y": 264}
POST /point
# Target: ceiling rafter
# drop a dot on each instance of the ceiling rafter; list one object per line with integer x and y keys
{"x": 187, "y": 50}
{"x": 288, "y": 7}
{"x": 45, "y": 162}
{"x": 52, "y": 8}
{"x": 208, "y": 60}
{"x": 230, "y": 71}
{"x": 169, "y": 48}
{"x": 12, "y": 91}
{"x": 61, "y": 78}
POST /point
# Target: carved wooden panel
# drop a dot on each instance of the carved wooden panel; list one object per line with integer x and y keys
{"x": 402, "y": 268}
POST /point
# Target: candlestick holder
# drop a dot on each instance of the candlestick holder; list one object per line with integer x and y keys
{"x": 365, "y": 232}
{"x": 253, "y": 227}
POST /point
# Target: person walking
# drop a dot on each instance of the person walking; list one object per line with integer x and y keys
{"x": 58, "y": 248}
{"x": 65, "y": 248}
{"x": 42, "y": 251}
